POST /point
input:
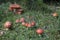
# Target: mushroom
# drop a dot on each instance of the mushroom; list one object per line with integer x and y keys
{"x": 7, "y": 24}
{"x": 55, "y": 14}
{"x": 14, "y": 7}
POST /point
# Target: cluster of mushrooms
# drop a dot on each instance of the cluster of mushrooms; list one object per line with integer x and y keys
{"x": 15, "y": 8}
{"x": 8, "y": 25}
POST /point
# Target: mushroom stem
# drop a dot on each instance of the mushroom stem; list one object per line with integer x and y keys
{"x": 14, "y": 11}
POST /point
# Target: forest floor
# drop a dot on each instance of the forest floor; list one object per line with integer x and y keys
{"x": 44, "y": 20}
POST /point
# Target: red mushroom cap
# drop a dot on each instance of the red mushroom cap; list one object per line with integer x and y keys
{"x": 33, "y": 23}
{"x": 39, "y": 31}
{"x": 17, "y": 21}
{"x": 29, "y": 25}
{"x": 14, "y": 6}
{"x": 22, "y": 19}
{"x": 26, "y": 24}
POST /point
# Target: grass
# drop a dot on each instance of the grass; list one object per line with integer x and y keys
{"x": 43, "y": 20}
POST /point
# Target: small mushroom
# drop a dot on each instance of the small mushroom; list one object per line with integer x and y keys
{"x": 39, "y": 31}
{"x": 55, "y": 14}
{"x": 14, "y": 7}
{"x": 17, "y": 21}
{"x": 22, "y": 19}
{"x": 7, "y": 24}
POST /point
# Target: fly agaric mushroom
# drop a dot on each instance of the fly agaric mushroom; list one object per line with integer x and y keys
{"x": 7, "y": 24}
